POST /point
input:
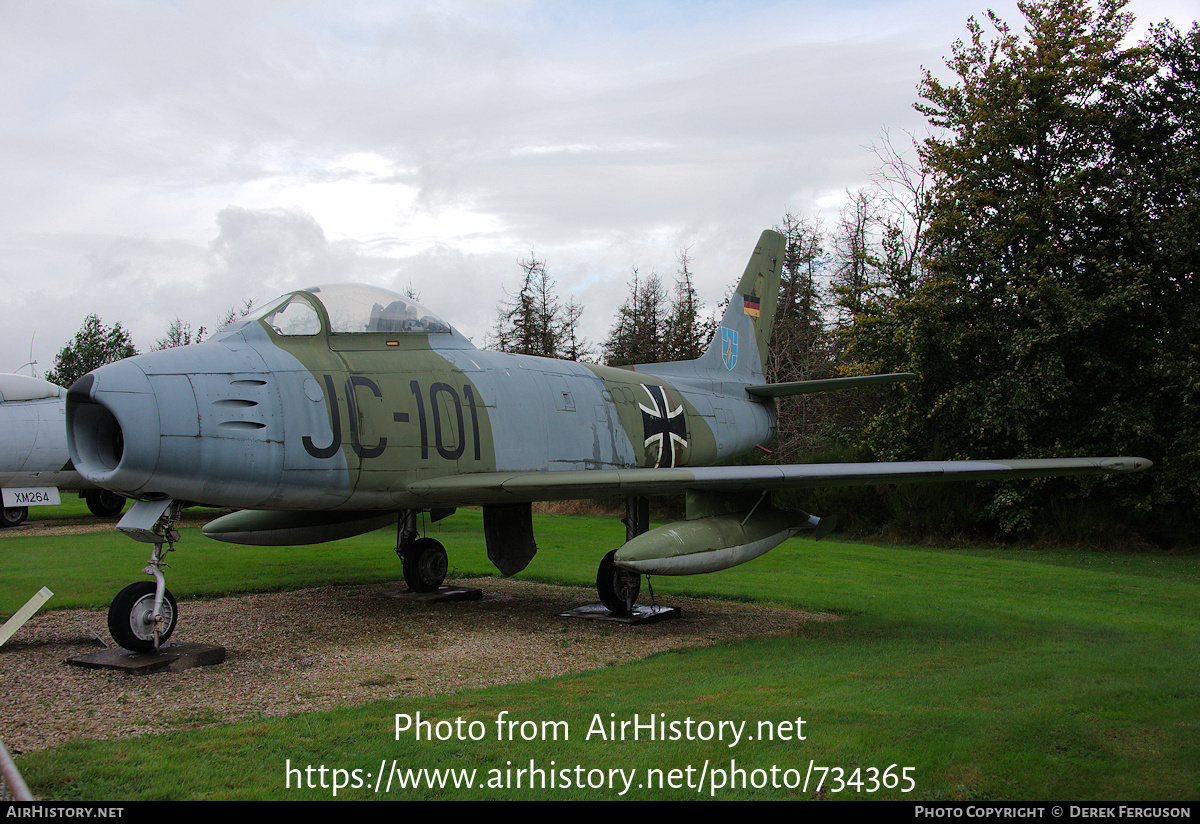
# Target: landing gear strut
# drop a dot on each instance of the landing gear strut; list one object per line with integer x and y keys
{"x": 424, "y": 559}
{"x": 142, "y": 616}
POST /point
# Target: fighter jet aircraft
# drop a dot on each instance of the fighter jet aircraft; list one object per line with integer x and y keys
{"x": 34, "y": 464}
{"x": 339, "y": 409}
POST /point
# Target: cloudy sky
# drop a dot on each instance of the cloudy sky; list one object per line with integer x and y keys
{"x": 163, "y": 159}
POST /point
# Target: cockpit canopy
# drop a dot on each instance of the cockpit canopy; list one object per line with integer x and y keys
{"x": 352, "y": 308}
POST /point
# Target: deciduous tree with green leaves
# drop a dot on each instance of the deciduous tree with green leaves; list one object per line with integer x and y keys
{"x": 93, "y": 346}
{"x": 1056, "y": 309}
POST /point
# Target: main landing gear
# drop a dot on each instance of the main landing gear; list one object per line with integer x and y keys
{"x": 424, "y": 559}
{"x": 618, "y": 588}
{"x": 142, "y": 616}
{"x": 102, "y": 503}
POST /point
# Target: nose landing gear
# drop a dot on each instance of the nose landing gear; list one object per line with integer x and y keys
{"x": 143, "y": 614}
{"x": 132, "y": 621}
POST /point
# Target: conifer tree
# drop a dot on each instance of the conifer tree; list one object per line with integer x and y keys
{"x": 637, "y": 335}
{"x": 686, "y": 334}
{"x": 534, "y": 321}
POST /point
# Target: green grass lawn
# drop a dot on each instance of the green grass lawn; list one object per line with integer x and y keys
{"x": 1000, "y": 674}
{"x": 72, "y": 506}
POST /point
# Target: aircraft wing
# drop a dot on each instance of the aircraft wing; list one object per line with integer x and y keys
{"x": 512, "y": 487}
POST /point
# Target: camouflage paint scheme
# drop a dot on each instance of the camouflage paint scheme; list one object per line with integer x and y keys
{"x": 257, "y": 419}
{"x": 319, "y": 433}
{"x": 366, "y": 421}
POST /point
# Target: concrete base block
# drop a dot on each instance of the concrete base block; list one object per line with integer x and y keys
{"x": 171, "y": 657}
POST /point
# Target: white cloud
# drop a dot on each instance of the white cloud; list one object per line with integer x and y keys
{"x": 162, "y": 159}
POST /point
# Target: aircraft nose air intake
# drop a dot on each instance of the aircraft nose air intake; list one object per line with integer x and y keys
{"x": 112, "y": 427}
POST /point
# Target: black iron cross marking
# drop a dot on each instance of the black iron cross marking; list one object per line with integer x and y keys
{"x": 663, "y": 426}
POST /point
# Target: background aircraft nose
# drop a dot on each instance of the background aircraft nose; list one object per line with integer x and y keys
{"x": 112, "y": 427}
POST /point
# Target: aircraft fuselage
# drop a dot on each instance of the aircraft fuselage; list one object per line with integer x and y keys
{"x": 259, "y": 419}
{"x": 337, "y": 410}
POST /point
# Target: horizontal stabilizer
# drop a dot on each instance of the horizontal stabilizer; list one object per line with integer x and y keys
{"x": 780, "y": 390}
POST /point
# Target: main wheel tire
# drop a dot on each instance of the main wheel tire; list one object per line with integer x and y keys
{"x": 104, "y": 504}
{"x": 131, "y": 617}
{"x": 13, "y": 515}
{"x": 425, "y": 565}
{"x": 618, "y": 588}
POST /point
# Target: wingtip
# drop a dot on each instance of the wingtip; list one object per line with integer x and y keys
{"x": 1125, "y": 464}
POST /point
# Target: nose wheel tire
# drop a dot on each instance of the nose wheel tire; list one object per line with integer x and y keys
{"x": 618, "y": 588}
{"x": 425, "y": 565}
{"x": 131, "y": 617}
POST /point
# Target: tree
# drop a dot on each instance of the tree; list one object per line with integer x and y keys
{"x": 685, "y": 334}
{"x": 93, "y": 346}
{"x": 1160, "y": 144}
{"x": 881, "y": 234}
{"x": 902, "y": 192}
{"x": 637, "y": 336}
{"x": 800, "y": 343}
{"x": 1045, "y": 304}
{"x": 535, "y": 322}
{"x": 179, "y": 333}
{"x": 855, "y": 270}
{"x": 234, "y": 313}
{"x": 647, "y": 330}
{"x": 571, "y": 346}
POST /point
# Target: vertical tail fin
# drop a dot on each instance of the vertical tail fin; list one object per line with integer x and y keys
{"x": 739, "y": 343}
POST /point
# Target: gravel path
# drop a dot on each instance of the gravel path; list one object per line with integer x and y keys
{"x": 315, "y": 649}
